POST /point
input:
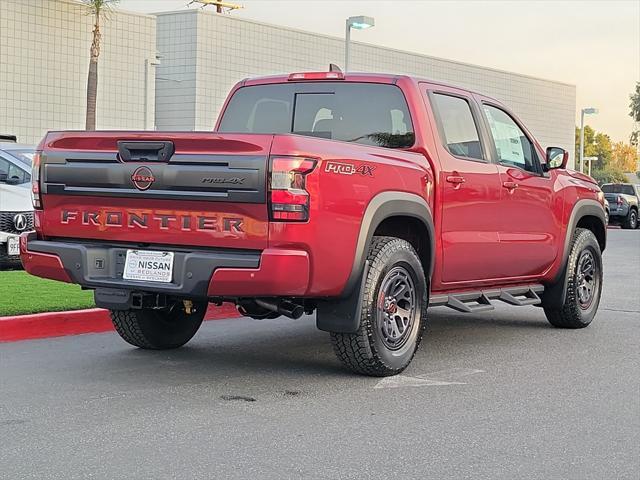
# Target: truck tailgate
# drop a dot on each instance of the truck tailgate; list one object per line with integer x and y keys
{"x": 182, "y": 189}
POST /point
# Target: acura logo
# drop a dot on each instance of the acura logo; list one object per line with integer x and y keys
{"x": 20, "y": 222}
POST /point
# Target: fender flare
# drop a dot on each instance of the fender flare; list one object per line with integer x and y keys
{"x": 343, "y": 314}
{"x": 555, "y": 294}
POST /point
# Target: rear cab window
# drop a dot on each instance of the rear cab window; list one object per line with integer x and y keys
{"x": 364, "y": 113}
{"x": 618, "y": 188}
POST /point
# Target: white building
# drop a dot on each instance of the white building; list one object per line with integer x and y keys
{"x": 205, "y": 54}
{"x": 44, "y": 49}
{"x": 44, "y": 60}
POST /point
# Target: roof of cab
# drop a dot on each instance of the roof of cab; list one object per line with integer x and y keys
{"x": 355, "y": 77}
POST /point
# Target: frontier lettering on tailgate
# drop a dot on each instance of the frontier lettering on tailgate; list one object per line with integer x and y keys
{"x": 178, "y": 220}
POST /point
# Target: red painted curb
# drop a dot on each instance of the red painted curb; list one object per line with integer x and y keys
{"x": 94, "y": 320}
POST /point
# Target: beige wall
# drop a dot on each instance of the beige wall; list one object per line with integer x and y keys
{"x": 215, "y": 51}
{"x": 44, "y": 57}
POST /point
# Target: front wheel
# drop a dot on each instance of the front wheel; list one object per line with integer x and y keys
{"x": 393, "y": 305}
{"x": 159, "y": 329}
{"x": 583, "y": 283}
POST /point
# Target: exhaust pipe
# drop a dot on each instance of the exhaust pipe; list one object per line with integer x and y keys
{"x": 283, "y": 307}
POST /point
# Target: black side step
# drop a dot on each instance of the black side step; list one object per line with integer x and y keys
{"x": 480, "y": 301}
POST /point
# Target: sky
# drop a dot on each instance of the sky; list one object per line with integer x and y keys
{"x": 593, "y": 44}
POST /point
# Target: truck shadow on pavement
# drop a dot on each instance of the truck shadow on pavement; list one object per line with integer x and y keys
{"x": 296, "y": 349}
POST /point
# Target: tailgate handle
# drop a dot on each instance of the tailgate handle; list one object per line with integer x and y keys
{"x": 145, "y": 151}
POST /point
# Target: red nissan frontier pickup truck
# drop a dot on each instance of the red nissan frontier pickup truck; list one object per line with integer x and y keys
{"x": 363, "y": 197}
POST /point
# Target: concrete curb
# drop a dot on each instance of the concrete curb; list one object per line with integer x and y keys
{"x": 59, "y": 324}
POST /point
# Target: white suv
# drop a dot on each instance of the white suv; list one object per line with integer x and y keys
{"x": 16, "y": 210}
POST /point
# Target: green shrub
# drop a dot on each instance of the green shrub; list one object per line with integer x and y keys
{"x": 609, "y": 175}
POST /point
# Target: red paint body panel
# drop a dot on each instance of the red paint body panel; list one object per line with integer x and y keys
{"x": 281, "y": 272}
{"x": 485, "y": 234}
{"x": 338, "y": 203}
{"x": 42, "y": 264}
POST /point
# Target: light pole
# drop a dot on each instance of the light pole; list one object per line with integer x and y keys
{"x": 583, "y": 112}
{"x": 359, "y": 23}
{"x": 590, "y": 160}
{"x": 147, "y": 74}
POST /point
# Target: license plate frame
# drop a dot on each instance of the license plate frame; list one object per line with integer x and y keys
{"x": 13, "y": 246}
{"x": 149, "y": 266}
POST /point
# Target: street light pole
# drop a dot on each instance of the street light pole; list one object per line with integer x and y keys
{"x": 359, "y": 23}
{"x": 584, "y": 111}
{"x": 347, "y": 42}
{"x": 582, "y": 141}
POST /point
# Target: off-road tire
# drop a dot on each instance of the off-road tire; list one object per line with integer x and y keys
{"x": 158, "y": 329}
{"x": 573, "y": 313}
{"x": 365, "y": 351}
{"x": 631, "y": 221}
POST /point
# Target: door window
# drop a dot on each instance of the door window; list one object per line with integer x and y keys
{"x": 512, "y": 145}
{"x": 458, "y": 126}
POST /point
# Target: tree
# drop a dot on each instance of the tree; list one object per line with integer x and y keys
{"x": 609, "y": 175}
{"x": 634, "y": 113}
{"x": 624, "y": 157}
{"x": 98, "y": 9}
{"x": 635, "y": 104}
{"x": 596, "y": 144}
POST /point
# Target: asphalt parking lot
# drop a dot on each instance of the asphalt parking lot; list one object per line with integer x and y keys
{"x": 494, "y": 395}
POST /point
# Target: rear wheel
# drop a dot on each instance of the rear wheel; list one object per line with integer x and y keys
{"x": 393, "y": 305}
{"x": 583, "y": 283}
{"x": 631, "y": 222}
{"x": 159, "y": 329}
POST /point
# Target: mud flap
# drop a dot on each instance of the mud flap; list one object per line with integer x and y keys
{"x": 342, "y": 315}
{"x": 555, "y": 294}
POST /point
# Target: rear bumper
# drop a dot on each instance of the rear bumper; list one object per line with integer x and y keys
{"x": 197, "y": 274}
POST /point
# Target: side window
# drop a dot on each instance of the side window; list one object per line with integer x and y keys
{"x": 512, "y": 145}
{"x": 4, "y": 166}
{"x": 458, "y": 126}
{"x": 16, "y": 174}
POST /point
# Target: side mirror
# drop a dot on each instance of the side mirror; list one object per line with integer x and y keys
{"x": 3, "y": 177}
{"x": 556, "y": 158}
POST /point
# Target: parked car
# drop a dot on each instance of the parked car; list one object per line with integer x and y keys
{"x": 16, "y": 210}
{"x": 363, "y": 197}
{"x": 623, "y": 200}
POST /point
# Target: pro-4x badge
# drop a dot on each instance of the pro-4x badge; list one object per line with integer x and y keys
{"x": 349, "y": 169}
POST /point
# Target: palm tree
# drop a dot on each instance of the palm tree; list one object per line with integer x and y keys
{"x": 98, "y": 9}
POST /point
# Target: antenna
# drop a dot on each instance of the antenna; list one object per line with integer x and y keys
{"x": 334, "y": 68}
{"x": 221, "y": 6}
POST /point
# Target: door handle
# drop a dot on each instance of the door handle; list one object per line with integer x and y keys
{"x": 511, "y": 186}
{"x": 455, "y": 179}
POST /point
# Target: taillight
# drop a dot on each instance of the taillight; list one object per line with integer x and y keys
{"x": 35, "y": 182}
{"x": 289, "y": 200}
